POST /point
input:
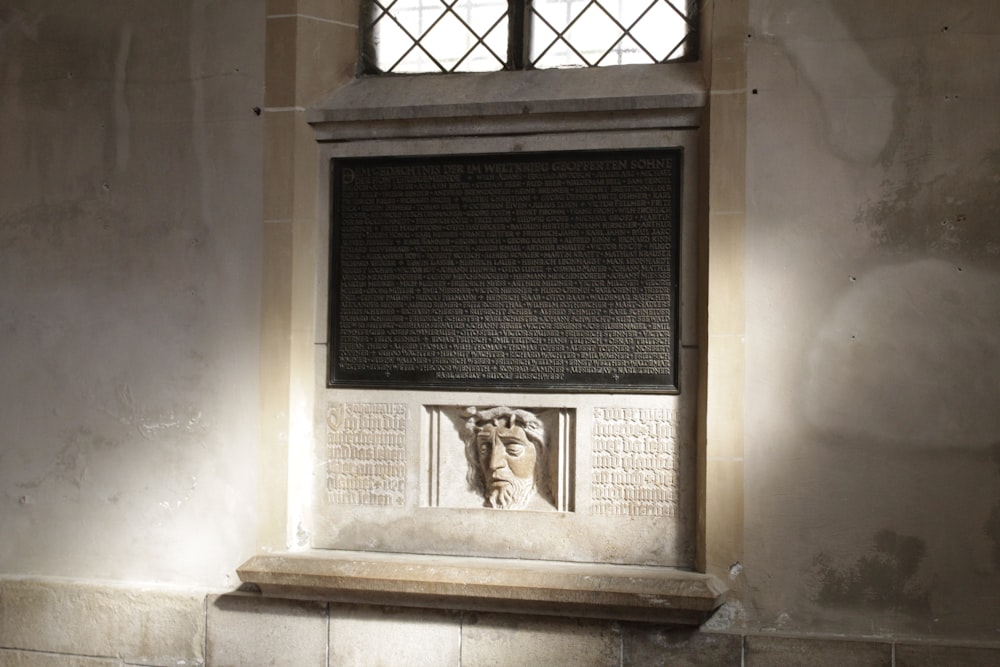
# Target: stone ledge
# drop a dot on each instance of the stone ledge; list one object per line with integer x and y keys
{"x": 626, "y": 97}
{"x": 620, "y": 592}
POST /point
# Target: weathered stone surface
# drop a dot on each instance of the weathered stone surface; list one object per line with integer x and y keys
{"x": 141, "y": 625}
{"x": 630, "y": 506}
{"x": 362, "y": 635}
{"x": 251, "y": 630}
{"x": 502, "y": 640}
{"x": 637, "y": 593}
{"x": 924, "y": 655}
{"x": 768, "y": 651}
{"x": 870, "y": 413}
{"x": 15, "y": 658}
{"x": 654, "y": 645}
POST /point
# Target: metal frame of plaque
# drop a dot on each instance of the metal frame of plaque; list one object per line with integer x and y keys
{"x": 508, "y": 271}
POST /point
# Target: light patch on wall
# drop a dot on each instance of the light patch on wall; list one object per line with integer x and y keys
{"x": 149, "y": 422}
{"x": 857, "y": 101}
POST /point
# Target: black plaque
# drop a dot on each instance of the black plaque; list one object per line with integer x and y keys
{"x": 524, "y": 271}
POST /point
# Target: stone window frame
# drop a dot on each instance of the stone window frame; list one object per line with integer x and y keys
{"x": 300, "y": 30}
{"x": 520, "y": 21}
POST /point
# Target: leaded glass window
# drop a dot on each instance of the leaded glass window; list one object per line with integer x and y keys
{"x": 411, "y": 36}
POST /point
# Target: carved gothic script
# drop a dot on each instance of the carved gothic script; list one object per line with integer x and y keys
{"x": 508, "y": 270}
{"x": 366, "y": 453}
{"x": 635, "y": 462}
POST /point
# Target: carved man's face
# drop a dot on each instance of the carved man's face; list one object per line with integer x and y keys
{"x": 507, "y": 458}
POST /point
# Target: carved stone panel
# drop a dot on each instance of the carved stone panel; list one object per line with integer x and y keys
{"x": 499, "y": 457}
{"x": 501, "y": 358}
{"x": 635, "y": 462}
{"x": 366, "y": 454}
{"x": 532, "y": 478}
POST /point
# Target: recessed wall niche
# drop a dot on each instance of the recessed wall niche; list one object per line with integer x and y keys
{"x": 617, "y": 484}
{"x": 474, "y": 454}
{"x": 407, "y": 450}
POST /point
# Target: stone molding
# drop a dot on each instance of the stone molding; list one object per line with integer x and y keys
{"x": 629, "y": 97}
{"x": 619, "y": 592}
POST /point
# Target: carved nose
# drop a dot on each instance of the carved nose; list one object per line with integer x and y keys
{"x": 497, "y": 455}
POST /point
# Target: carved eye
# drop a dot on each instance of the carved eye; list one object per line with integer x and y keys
{"x": 515, "y": 449}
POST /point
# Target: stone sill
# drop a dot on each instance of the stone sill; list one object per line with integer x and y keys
{"x": 619, "y": 592}
{"x": 631, "y": 96}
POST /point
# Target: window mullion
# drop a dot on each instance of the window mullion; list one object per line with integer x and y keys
{"x": 518, "y": 25}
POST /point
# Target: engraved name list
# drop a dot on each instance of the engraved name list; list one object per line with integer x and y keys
{"x": 508, "y": 270}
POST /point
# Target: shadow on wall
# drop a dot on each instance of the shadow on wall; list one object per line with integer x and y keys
{"x": 992, "y": 525}
{"x": 885, "y": 580}
{"x": 907, "y": 357}
{"x": 939, "y": 165}
{"x": 902, "y": 376}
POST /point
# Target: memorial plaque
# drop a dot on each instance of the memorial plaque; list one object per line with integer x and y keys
{"x": 525, "y": 271}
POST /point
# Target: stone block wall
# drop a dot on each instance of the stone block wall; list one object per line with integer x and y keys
{"x": 60, "y": 623}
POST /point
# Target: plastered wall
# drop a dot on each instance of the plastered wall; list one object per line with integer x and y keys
{"x": 135, "y": 321}
{"x": 873, "y": 306}
{"x": 130, "y": 270}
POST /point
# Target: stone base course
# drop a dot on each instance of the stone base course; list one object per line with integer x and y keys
{"x": 62, "y": 623}
{"x": 138, "y": 625}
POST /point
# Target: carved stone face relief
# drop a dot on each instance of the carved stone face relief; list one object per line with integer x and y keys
{"x": 505, "y": 448}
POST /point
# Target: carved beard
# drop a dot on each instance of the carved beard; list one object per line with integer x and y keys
{"x": 510, "y": 493}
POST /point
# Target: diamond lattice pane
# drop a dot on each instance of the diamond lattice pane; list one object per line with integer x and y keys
{"x": 627, "y": 11}
{"x": 480, "y": 59}
{"x": 482, "y": 15}
{"x": 415, "y": 62}
{"x": 625, "y": 52}
{"x": 449, "y": 40}
{"x": 390, "y": 41}
{"x": 593, "y": 33}
{"x": 559, "y": 13}
{"x": 605, "y": 32}
{"x": 488, "y": 21}
{"x": 438, "y": 35}
{"x": 549, "y": 47}
{"x": 660, "y": 31}
{"x": 414, "y": 16}
{"x": 410, "y": 36}
{"x": 553, "y": 53}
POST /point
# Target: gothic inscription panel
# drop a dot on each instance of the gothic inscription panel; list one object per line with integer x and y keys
{"x": 366, "y": 454}
{"x": 517, "y": 270}
{"x": 634, "y": 462}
